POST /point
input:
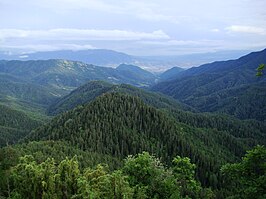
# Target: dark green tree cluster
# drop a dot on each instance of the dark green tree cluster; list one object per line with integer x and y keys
{"x": 40, "y": 151}
{"x": 235, "y": 127}
{"x": 142, "y": 176}
{"x": 118, "y": 125}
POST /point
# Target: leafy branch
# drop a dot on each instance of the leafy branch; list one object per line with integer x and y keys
{"x": 260, "y": 70}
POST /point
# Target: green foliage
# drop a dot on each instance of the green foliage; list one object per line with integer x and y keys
{"x": 41, "y": 151}
{"x": 106, "y": 185}
{"x": 66, "y": 178}
{"x": 260, "y": 70}
{"x": 184, "y": 173}
{"x": 248, "y": 178}
{"x": 142, "y": 176}
{"x": 149, "y": 176}
{"x": 45, "y": 180}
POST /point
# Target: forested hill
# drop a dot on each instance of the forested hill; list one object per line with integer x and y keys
{"x": 93, "y": 89}
{"x": 136, "y": 73}
{"x": 226, "y": 87}
{"x": 118, "y": 125}
{"x": 170, "y": 74}
{"x": 63, "y": 76}
{"x": 114, "y": 124}
{"x": 231, "y": 125}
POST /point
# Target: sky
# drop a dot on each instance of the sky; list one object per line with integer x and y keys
{"x": 136, "y": 27}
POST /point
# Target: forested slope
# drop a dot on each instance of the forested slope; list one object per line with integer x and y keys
{"x": 64, "y": 76}
{"x": 93, "y": 89}
{"x": 14, "y": 125}
{"x": 118, "y": 125}
{"x": 229, "y": 87}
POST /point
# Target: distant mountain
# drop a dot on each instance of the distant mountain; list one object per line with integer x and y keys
{"x": 31, "y": 86}
{"x": 104, "y": 57}
{"x": 136, "y": 74}
{"x": 245, "y": 63}
{"x": 25, "y": 97}
{"x": 100, "y": 57}
{"x": 226, "y": 87}
{"x": 64, "y": 76}
{"x": 93, "y": 89}
{"x": 16, "y": 88}
{"x": 170, "y": 74}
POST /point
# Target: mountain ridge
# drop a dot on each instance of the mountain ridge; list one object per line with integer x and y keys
{"x": 111, "y": 58}
{"x": 92, "y": 89}
{"x": 64, "y": 76}
{"x": 205, "y": 84}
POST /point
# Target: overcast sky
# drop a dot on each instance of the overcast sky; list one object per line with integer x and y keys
{"x": 138, "y": 27}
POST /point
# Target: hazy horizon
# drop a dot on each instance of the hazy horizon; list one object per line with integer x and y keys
{"x": 143, "y": 28}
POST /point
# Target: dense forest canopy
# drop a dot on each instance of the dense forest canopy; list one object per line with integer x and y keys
{"x": 65, "y": 137}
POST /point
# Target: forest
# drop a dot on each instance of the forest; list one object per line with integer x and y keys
{"x": 188, "y": 155}
{"x": 141, "y": 176}
{"x": 64, "y": 136}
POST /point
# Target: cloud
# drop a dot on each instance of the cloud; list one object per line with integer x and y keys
{"x": 215, "y": 30}
{"x": 151, "y": 12}
{"x": 153, "y": 17}
{"x": 146, "y": 11}
{"x": 246, "y": 29}
{"x": 23, "y": 56}
{"x": 66, "y": 5}
{"x": 19, "y": 40}
{"x": 81, "y": 34}
{"x": 46, "y": 47}
{"x": 185, "y": 43}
